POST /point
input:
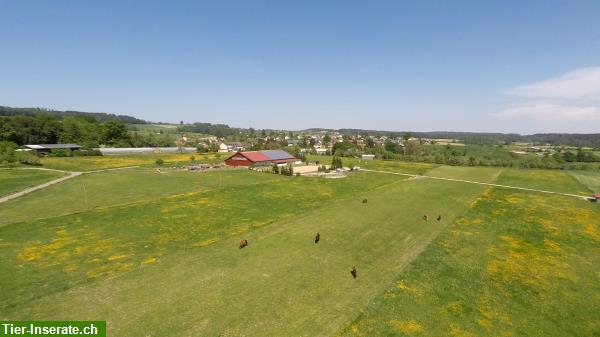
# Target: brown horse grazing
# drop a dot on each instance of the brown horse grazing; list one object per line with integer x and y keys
{"x": 425, "y": 217}
{"x": 439, "y": 218}
{"x": 243, "y": 243}
{"x": 317, "y": 238}
{"x": 354, "y": 272}
{"x": 364, "y": 201}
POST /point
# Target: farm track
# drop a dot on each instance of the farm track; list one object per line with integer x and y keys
{"x": 416, "y": 176}
{"x": 70, "y": 174}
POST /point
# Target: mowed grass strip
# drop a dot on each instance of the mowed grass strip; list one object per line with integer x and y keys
{"x": 518, "y": 263}
{"x": 589, "y": 179}
{"x": 282, "y": 284}
{"x": 15, "y": 180}
{"x": 54, "y": 254}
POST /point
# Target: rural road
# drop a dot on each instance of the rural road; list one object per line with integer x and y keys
{"x": 479, "y": 183}
{"x": 70, "y": 174}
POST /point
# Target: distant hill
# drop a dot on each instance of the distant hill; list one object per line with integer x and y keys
{"x": 100, "y": 116}
{"x": 570, "y": 139}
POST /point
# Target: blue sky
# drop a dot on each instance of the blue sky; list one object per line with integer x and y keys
{"x": 506, "y": 66}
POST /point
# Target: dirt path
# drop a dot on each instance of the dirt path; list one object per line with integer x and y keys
{"x": 479, "y": 183}
{"x": 70, "y": 174}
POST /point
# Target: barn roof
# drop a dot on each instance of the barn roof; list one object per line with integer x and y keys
{"x": 255, "y": 156}
{"x": 277, "y": 154}
{"x": 265, "y": 155}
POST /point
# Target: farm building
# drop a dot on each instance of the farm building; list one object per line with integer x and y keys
{"x": 264, "y": 157}
{"x": 596, "y": 197}
{"x": 368, "y": 156}
{"x": 47, "y": 148}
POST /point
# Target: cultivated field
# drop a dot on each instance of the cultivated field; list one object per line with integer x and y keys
{"x": 155, "y": 254}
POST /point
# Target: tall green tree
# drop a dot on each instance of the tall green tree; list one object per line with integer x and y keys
{"x": 114, "y": 132}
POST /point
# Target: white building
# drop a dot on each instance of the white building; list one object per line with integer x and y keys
{"x": 223, "y": 148}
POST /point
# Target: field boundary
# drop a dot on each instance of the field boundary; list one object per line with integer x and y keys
{"x": 480, "y": 183}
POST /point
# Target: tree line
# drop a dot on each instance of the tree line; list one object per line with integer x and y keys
{"x": 100, "y": 116}
{"x": 47, "y": 129}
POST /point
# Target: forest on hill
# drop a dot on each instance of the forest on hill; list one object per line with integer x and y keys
{"x": 100, "y": 116}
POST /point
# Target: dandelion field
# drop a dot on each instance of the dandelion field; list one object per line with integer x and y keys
{"x": 156, "y": 254}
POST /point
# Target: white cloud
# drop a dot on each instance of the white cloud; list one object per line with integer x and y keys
{"x": 581, "y": 84}
{"x": 568, "y": 103}
{"x": 551, "y": 111}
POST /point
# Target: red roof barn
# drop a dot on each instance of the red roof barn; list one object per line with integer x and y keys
{"x": 265, "y": 157}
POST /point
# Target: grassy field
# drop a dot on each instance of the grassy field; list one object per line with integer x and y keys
{"x": 110, "y": 188}
{"x": 589, "y": 179}
{"x": 515, "y": 264}
{"x": 549, "y": 180}
{"x": 156, "y": 254}
{"x": 83, "y": 164}
{"x": 381, "y": 165}
{"x": 14, "y": 180}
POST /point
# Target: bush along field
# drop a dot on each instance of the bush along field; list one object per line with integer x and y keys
{"x": 515, "y": 264}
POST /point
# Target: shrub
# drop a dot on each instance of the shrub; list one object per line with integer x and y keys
{"x": 60, "y": 153}
{"x": 28, "y": 158}
{"x": 159, "y": 161}
{"x": 7, "y": 153}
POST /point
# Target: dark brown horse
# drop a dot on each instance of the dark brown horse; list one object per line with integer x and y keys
{"x": 243, "y": 243}
{"x": 425, "y": 217}
{"x": 317, "y": 238}
{"x": 354, "y": 272}
{"x": 364, "y": 201}
{"x": 439, "y": 218}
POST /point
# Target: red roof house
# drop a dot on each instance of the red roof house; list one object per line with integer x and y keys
{"x": 265, "y": 157}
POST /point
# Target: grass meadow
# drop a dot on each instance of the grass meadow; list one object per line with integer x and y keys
{"x": 14, "y": 180}
{"x": 157, "y": 254}
{"x": 514, "y": 264}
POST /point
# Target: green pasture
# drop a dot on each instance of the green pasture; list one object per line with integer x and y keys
{"x": 515, "y": 264}
{"x": 14, "y": 180}
{"x": 548, "y": 180}
{"x": 156, "y": 254}
{"x": 381, "y": 165}
{"x": 110, "y": 188}
{"x": 179, "y": 255}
